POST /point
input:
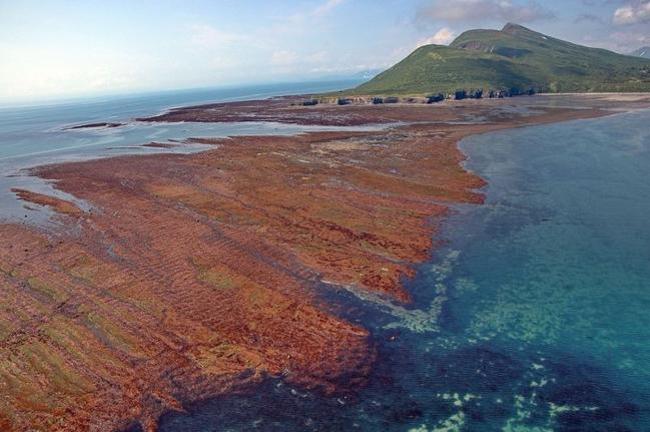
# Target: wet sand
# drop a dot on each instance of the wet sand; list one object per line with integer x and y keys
{"x": 200, "y": 274}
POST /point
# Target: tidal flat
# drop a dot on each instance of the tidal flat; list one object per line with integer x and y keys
{"x": 322, "y": 281}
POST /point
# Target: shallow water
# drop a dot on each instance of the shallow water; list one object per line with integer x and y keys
{"x": 534, "y": 317}
{"x": 40, "y": 134}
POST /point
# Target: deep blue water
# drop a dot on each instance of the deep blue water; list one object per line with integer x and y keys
{"x": 534, "y": 317}
{"x": 38, "y": 134}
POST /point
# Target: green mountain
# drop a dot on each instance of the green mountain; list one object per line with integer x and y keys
{"x": 514, "y": 58}
{"x": 642, "y": 52}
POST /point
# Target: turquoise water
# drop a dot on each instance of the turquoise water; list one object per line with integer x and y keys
{"x": 534, "y": 317}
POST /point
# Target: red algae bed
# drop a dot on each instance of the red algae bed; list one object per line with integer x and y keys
{"x": 196, "y": 275}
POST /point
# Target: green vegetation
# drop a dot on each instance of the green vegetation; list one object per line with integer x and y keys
{"x": 514, "y": 60}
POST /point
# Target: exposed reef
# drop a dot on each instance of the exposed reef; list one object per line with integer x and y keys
{"x": 56, "y": 204}
{"x": 197, "y": 275}
{"x": 162, "y": 145}
{"x": 95, "y": 125}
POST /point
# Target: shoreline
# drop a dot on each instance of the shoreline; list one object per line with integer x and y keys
{"x": 251, "y": 226}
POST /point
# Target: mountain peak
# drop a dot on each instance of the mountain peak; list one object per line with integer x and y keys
{"x": 515, "y": 59}
{"x": 642, "y": 52}
{"x": 514, "y": 29}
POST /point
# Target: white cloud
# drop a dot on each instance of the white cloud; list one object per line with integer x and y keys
{"x": 318, "y": 57}
{"x": 326, "y": 7}
{"x": 442, "y": 37}
{"x": 54, "y": 71}
{"x": 307, "y": 17}
{"x": 625, "y": 40}
{"x": 286, "y": 61}
{"x": 207, "y": 36}
{"x": 283, "y": 58}
{"x": 482, "y": 10}
{"x": 638, "y": 12}
{"x": 619, "y": 41}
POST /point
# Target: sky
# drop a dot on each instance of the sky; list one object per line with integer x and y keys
{"x": 56, "y": 49}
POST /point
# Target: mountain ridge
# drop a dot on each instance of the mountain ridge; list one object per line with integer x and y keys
{"x": 515, "y": 60}
{"x": 643, "y": 52}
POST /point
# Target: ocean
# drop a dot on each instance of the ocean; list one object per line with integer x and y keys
{"x": 33, "y": 135}
{"x": 532, "y": 317}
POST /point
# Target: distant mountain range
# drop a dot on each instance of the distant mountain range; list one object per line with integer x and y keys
{"x": 641, "y": 52}
{"x": 514, "y": 60}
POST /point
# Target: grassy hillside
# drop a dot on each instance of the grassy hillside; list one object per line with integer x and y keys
{"x": 514, "y": 57}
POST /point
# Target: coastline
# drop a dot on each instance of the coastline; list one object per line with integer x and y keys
{"x": 269, "y": 216}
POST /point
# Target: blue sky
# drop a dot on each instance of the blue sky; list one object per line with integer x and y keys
{"x": 64, "y": 48}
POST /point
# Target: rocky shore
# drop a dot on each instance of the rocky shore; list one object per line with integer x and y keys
{"x": 96, "y": 125}
{"x": 199, "y": 275}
